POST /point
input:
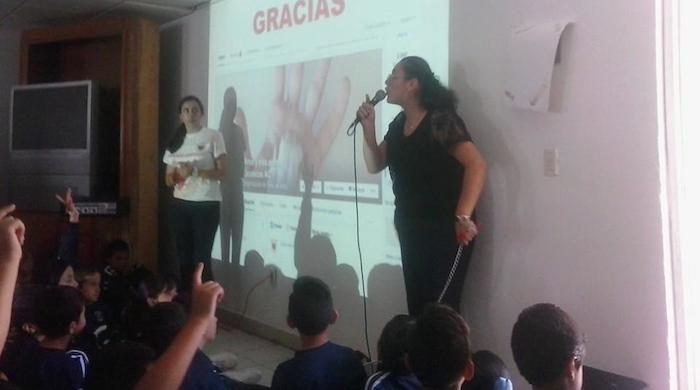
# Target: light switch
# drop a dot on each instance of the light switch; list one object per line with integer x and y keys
{"x": 551, "y": 162}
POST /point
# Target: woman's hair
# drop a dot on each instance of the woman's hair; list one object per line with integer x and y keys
{"x": 432, "y": 94}
{"x": 178, "y": 136}
{"x": 393, "y": 344}
{"x": 448, "y": 128}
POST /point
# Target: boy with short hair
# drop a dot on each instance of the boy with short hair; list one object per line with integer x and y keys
{"x": 116, "y": 290}
{"x": 96, "y": 316}
{"x": 548, "y": 348}
{"x": 320, "y": 364}
{"x": 440, "y": 351}
{"x": 88, "y": 279}
{"x": 60, "y": 315}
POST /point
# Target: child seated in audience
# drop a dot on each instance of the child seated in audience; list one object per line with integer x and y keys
{"x": 152, "y": 290}
{"x": 165, "y": 320}
{"x": 440, "y": 352}
{"x": 393, "y": 374}
{"x": 320, "y": 364}
{"x": 96, "y": 331}
{"x": 119, "y": 366}
{"x": 116, "y": 292}
{"x": 158, "y": 289}
{"x": 168, "y": 371}
{"x": 548, "y": 348}
{"x": 60, "y": 315}
{"x": 490, "y": 373}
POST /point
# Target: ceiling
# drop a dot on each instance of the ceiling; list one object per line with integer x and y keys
{"x": 26, "y": 14}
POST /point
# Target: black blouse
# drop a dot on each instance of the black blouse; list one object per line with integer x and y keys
{"x": 427, "y": 179}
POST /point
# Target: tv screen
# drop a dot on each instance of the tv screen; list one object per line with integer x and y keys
{"x": 51, "y": 116}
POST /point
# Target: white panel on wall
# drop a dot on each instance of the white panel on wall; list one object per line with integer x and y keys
{"x": 531, "y": 54}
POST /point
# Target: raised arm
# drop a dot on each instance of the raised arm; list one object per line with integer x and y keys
{"x": 375, "y": 154}
{"x": 168, "y": 372}
{"x": 11, "y": 240}
{"x": 68, "y": 244}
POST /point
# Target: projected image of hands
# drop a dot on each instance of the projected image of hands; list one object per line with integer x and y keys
{"x": 298, "y": 112}
{"x": 298, "y": 132}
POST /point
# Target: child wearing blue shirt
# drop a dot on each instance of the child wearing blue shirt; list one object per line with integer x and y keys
{"x": 50, "y": 365}
{"x": 320, "y": 364}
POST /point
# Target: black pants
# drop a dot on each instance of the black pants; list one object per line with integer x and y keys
{"x": 194, "y": 227}
{"x": 428, "y": 249}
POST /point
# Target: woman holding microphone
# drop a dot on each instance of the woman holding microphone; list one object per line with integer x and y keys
{"x": 437, "y": 175}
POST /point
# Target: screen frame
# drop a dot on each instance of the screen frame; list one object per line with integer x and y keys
{"x": 49, "y": 152}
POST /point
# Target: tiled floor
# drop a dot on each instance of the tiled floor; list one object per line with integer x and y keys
{"x": 251, "y": 351}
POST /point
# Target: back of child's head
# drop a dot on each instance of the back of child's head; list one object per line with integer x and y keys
{"x": 162, "y": 323}
{"x": 310, "y": 306}
{"x": 56, "y": 308}
{"x": 489, "y": 371}
{"x": 439, "y": 351}
{"x": 24, "y": 306}
{"x": 153, "y": 288}
{"x": 544, "y": 341}
{"x": 119, "y": 366}
{"x": 116, "y": 248}
{"x": 393, "y": 344}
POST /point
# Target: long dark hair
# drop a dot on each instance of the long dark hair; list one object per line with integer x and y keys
{"x": 178, "y": 136}
{"x": 432, "y": 94}
{"x": 447, "y": 127}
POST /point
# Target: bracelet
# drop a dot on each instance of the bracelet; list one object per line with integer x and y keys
{"x": 464, "y": 219}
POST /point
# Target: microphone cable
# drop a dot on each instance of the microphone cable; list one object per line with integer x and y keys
{"x": 455, "y": 263}
{"x": 451, "y": 275}
{"x": 357, "y": 236}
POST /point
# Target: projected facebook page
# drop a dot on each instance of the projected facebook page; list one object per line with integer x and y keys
{"x": 295, "y": 118}
{"x": 299, "y": 70}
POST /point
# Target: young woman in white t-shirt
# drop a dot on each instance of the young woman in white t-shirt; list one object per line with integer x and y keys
{"x": 195, "y": 159}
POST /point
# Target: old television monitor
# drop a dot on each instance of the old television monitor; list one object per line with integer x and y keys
{"x": 54, "y": 143}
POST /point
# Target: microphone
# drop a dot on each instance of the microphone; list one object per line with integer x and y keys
{"x": 378, "y": 97}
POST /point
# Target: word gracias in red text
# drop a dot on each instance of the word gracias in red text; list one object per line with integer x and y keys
{"x": 298, "y": 13}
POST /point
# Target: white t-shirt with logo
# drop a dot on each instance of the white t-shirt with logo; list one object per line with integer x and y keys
{"x": 200, "y": 149}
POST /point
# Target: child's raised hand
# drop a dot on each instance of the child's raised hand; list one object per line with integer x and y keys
{"x": 67, "y": 202}
{"x": 11, "y": 236}
{"x": 205, "y": 296}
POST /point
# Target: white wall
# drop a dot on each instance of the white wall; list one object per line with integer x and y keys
{"x": 9, "y": 76}
{"x": 588, "y": 240}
